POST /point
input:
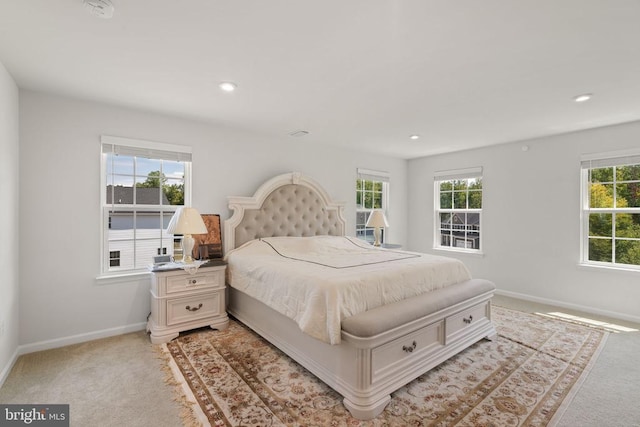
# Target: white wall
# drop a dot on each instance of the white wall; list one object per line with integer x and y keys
{"x": 530, "y": 225}
{"x": 9, "y": 288}
{"x": 531, "y": 219}
{"x": 61, "y": 302}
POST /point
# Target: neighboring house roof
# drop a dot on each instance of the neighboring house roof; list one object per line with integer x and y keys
{"x": 457, "y": 218}
{"x": 145, "y": 196}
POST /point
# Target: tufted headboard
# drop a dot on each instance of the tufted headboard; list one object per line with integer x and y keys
{"x": 287, "y": 205}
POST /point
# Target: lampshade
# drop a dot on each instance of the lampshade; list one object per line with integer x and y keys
{"x": 186, "y": 221}
{"x": 377, "y": 219}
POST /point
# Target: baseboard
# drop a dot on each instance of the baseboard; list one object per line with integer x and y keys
{"x": 562, "y": 304}
{"x": 7, "y": 369}
{"x": 76, "y": 339}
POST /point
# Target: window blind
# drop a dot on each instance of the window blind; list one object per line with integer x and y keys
{"x": 606, "y": 160}
{"x": 373, "y": 175}
{"x": 458, "y": 174}
{"x": 146, "y": 149}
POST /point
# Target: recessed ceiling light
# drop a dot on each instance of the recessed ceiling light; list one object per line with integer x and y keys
{"x": 584, "y": 97}
{"x": 414, "y": 136}
{"x": 228, "y": 86}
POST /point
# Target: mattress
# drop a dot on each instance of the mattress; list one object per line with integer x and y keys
{"x": 320, "y": 281}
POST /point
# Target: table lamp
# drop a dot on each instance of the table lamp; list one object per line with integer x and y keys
{"x": 377, "y": 220}
{"x": 187, "y": 221}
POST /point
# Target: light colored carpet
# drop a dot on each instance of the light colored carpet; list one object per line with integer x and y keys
{"x": 609, "y": 395}
{"x": 114, "y": 381}
{"x": 119, "y": 381}
{"x": 523, "y": 378}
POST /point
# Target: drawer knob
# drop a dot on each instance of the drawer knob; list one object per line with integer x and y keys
{"x": 467, "y": 321}
{"x": 193, "y": 281}
{"x": 409, "y": 348}
{"x": 194, "y": 308}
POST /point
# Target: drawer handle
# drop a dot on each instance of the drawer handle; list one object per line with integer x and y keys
{"x": 194, "y": 308}
{"x": 193, "y": 281}
{"x": 409, "y": 348}
{"x": 467, "y": 321}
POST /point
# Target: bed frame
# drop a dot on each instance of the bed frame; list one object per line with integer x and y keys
{"x": 382, "y": 349}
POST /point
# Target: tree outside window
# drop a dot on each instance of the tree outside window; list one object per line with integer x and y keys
{"x": 613, "y": 215}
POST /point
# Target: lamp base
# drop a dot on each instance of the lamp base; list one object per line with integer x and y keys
{"x": 187, "y": 248}
{"x": 376, "y": 235}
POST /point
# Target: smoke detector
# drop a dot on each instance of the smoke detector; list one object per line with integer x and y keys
{"x": 100, "y": 8}
{"x": 299, "y": 133}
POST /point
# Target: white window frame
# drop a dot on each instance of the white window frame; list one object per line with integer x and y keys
{"x": 137, "y": 148}
{"x": 378, "y": 176}
{"x": 448, "y": 175}
{"x": 594, "y": 161}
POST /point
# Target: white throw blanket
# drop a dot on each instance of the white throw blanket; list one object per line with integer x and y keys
{"x": 318, "y": 281}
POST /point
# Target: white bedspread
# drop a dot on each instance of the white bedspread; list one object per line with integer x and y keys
{"x": 318, "y": 281}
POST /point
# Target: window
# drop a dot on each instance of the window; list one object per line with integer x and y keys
{"x": 372, "y": 192}
{"x": 114, "y": 258}
{"x": 611, "y": 210}
{"x": 458, "y": 210}
{"x": 143, "y": 183}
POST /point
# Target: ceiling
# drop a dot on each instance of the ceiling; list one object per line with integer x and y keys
{"x": 360, "y": 74}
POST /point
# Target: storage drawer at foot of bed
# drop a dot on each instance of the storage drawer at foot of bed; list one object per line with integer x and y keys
{"x": 181, "y": 310}
{"x": 406, "y": 350}
{"x": 466, "y": 318}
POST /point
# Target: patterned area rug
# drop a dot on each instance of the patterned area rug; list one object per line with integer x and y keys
{"x": 524, "y": 378}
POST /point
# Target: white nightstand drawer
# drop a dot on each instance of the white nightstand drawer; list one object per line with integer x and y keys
{"x": 185, "y": 309}
{"x": 210, "y": 279}
{"x": 181, "y": 301}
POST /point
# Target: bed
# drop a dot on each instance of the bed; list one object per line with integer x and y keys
{"x": 364, "y": 350}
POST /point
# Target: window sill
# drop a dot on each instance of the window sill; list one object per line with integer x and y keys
{"x": 478, "y": 254}
{"x": 115, "y": 278}
{"x": 588, "y": 266}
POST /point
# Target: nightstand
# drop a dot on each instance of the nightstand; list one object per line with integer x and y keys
{"x": 181, "y": 301}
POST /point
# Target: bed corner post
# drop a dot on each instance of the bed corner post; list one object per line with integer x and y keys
{"x": 229, "y": 236}
{"x": 366, "y": 411}
{"x": 295, "y": 177}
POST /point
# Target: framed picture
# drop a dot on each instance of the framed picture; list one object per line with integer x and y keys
{"x": 209, "y": 246}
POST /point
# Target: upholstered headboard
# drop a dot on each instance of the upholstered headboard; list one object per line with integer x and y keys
{"x": 287, "y": 205}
